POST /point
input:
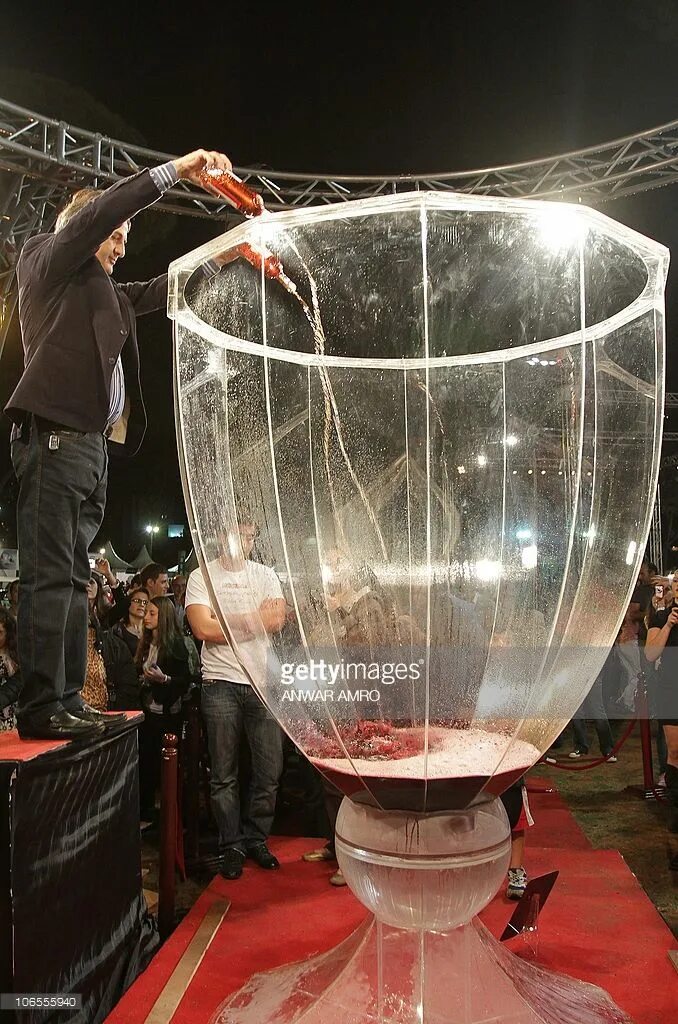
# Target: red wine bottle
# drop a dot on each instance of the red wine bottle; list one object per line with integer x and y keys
{"x": 273, "y": 268}
{"x": 235, "y": 191}
{"x": 261, "y": 257}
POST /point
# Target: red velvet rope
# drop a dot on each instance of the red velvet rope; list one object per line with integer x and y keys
{"x": 595, "y": 761}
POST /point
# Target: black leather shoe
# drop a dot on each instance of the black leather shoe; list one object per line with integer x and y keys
{"x": 61, "y": 726}
{"x": 262, "y": 856}
{"x": 105, "y": 718}
{"x": 231, "y": 864}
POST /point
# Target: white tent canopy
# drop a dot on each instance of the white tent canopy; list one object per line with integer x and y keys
{"x": 190, "y": 564}
{"x": 142, "y": 559}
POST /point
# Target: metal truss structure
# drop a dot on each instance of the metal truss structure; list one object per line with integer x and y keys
{"x": 670, "y": 437}
{"x": 42, "y": 160}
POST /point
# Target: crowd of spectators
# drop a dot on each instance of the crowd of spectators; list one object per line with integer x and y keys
{"x": 638, "y": 679}
{"x": 154, "y": 643}
{"x": 145, "y": 653}
{"x": 138, "y": 659}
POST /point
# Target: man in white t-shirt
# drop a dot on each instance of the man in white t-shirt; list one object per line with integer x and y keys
{"x": 251, "y": 600}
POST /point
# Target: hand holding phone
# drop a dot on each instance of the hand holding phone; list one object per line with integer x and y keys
{"x": 154, "y": 674}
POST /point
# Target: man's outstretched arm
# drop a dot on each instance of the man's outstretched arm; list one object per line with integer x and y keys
{"x": 87, "y": 229}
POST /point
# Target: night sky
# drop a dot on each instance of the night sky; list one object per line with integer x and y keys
{"x": 352, "y": 89}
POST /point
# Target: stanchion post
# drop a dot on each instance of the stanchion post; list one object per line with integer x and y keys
{"x": 645, "y": 736}
{"x": 168, "y": 833}
{"x": 191, "y": 782}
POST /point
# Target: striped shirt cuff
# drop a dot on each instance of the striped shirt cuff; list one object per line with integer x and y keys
{"x": 164, "y": 176}
{"x": 116, "y": 405}
{"x": 211, "y": 268}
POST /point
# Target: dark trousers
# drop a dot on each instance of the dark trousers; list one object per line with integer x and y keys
{"x": 228, "y": 710}
{"x": 62, "y": 495}
{"x": 593, "y": 707}
{"x": 321, "y": 800}
{"x": 151, "y": 733}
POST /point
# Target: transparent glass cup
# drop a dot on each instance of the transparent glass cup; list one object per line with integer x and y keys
{"x": 440, "y": 424}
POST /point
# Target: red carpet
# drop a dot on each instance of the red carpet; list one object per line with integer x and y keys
{"x": 14, "y": 749}
{"x": 554, "y": 826}
{"x": 598, "y": 925}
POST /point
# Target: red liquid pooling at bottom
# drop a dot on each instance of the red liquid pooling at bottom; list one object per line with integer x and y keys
{"x": 411, "y": 769}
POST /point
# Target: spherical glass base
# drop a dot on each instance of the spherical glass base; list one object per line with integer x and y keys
{"x": 430, "y": 871}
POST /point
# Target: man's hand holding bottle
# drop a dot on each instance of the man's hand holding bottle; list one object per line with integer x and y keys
{"x": 194, "y": 164}
{"x": 673, "y": 617}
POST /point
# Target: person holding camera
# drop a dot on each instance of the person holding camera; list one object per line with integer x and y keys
{"x": 662, "y": 643}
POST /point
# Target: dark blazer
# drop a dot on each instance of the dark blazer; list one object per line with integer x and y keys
{"x": 76, "y": 321}
{"x": 176, "y": 664}
{"x": 122, "y": 681}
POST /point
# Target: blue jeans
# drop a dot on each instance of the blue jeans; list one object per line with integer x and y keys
{"x": 228, "y": 710}
{"x": 62, "y": 496}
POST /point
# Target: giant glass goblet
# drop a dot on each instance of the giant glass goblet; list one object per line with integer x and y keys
{"x": 442, "y": 416}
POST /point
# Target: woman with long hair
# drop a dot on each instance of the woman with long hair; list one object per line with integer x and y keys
{"x": 10, "y": 680}
{"x": 130, "y": 628}
{"x": 95, "y": 690}
{"x": 662, "y": 641}
{"x": 110, "y": 678}
{"x": 164, "y": 659}
{"x": 168, "y": 665}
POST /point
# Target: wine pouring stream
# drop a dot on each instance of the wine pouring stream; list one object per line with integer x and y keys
{"x": 250, "y": 204}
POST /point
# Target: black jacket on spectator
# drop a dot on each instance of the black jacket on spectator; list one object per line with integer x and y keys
{"x": 130, "y": 640}
{"x": 124, "y": 691}
{"x": 176, "y": 664}
{"x": 10, "y": 688}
